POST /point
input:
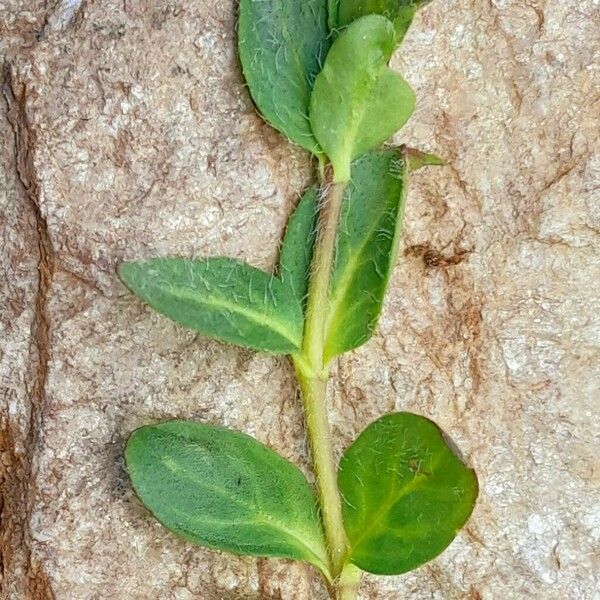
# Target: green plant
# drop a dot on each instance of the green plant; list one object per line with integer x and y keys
{"x": 318, "y": 72}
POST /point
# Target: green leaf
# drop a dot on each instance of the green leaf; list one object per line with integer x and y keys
{"x": 406, "y": 494}
{"x": 358, "y": 102}
{"x": 222, "y": 489}
{"x": 400, "y": 12}
{"x": 367, "y": 247}
{"x": 298, "y": 242}
{"x": 281, "y": 46}
{"x": 221, "y": 298}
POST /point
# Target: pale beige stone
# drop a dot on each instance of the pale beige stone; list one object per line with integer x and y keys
{"x": 135, "y": 137}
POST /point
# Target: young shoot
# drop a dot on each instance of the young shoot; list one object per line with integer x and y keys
{"x": 318, "y": 72}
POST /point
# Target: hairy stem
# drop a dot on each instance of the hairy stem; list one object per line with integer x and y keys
{"x": 313, "y": 374}
{"x": 318, "y": 290}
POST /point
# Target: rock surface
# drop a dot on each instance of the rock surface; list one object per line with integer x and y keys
{"x": 127, "y": 133}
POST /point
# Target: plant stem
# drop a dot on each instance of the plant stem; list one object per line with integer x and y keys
{"x": 314, "y": 395}
{"x": 332, "y": 195}
{"x": 312, "y": 375}
{"x": 348, "y": 583}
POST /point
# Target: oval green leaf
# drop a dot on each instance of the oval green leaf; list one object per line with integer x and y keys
{"x": 358, "y": 102}
{"x": 406, "y": 494}
{"x": 281, "y": 46}
{"x": 222, "y": 489}
{"x": 400, "y": 12}
{"x": 367, "y": 246}
{"x": 221, "y": 298}
{"x": 298, "y": 243}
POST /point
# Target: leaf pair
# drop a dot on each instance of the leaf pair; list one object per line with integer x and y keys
{"x": 233, "y": 302}
{"x": 357, "y": 102}
{"x": 405, "y": 493}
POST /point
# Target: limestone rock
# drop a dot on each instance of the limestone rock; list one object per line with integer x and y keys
{"x": 128, "y": 133}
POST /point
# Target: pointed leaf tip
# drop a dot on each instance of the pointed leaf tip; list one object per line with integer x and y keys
{"x": 416, "y": 159}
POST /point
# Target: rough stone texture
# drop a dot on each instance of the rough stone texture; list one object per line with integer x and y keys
{"x": 128, "y": 133}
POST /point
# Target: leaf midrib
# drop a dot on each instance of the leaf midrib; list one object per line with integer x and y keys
{"x": 383, "y": 509}
{"x": 254, "y": 316}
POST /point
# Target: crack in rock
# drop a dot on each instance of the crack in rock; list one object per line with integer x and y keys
{"x": 37, "y": 581}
